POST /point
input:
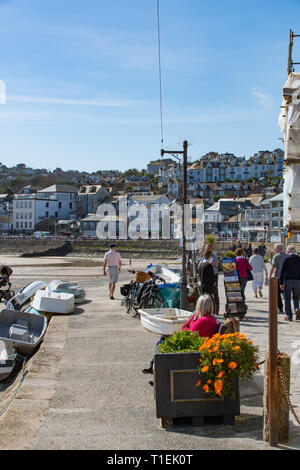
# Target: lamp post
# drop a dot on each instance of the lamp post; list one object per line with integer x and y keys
{"x": 183, "y": 284}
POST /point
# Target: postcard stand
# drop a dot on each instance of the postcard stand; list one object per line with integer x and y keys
{"x": 235, "y": 299}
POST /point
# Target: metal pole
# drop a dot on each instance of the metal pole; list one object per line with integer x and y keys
{"x": 183, "y": 289}
{"x": 273, "y": 364}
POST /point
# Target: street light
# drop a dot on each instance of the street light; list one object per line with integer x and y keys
{"x": 183, "y": 283}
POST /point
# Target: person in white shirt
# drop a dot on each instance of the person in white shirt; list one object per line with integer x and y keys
{"x": 112, "y": 266}
{"x": 259, "y": 267}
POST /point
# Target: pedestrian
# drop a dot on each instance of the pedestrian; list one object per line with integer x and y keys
{"x": 258, "y": 269}
{"x": 249, "y": 250}
{"x": 207, "y": 276}
{"x": 215, "y": 264}
{"x": 243, "y": 268}
{"x": 290, "y": 281}
{"x": 112, "y": 266}
{"x": 262, "y": 248}
{"x": 275, "y": 268}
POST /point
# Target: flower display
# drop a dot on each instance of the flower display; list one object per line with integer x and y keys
{"x": 225, "y": 358}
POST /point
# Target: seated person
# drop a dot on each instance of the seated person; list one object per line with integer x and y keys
{"x": 201, "y": 321}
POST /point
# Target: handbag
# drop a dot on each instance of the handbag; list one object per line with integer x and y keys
{"x": 249, "y": 275}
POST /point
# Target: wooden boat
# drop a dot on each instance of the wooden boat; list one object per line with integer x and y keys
{"x": 165, "y": 273}
{"x": 8, "y": 356}
{"x": 163, "y": 321}
{"x": 22, "y": 331}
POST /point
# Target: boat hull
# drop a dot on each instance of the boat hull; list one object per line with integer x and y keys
{"x": 22, "y": 331}
{"x": 164, "y": 321}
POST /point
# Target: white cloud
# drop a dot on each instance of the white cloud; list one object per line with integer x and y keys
{"x": 66, "y": 101}
{"x": 264, "y": 100}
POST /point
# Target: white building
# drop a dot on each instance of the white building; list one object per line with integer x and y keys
{"x": 55, "y": 202}
{"x": 66, "y": 196}
{"x": 30, "y": 209}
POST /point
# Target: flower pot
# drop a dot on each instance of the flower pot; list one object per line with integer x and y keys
{"x": 176, "y": 393}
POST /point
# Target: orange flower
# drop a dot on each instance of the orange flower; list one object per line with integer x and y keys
{"x": 232, "y": 365}
{"x": 198, "y": 383}
{"x": 218, "y": 387}
{"x": 209, "y": 381}
{"x": 220, "y": 374}
{"x": 205, "y": 388}
{"x": 217, "y": 361}
{"x": 236, "y": 348}
{"x": 204, "y": 369}
{"x": 215, "y": 348}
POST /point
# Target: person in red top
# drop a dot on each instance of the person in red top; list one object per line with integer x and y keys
{"x": 243, "y": 267}
{"x": 203, "y": 321}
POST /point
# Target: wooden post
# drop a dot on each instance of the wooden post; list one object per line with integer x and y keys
{"x": 282, "y": 411}
{"x": 273, "y": 362}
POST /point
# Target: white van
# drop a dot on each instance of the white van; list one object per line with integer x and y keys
{"x": 41, "y": 234}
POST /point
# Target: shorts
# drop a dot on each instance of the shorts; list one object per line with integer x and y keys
{"x": 113, "y": 274}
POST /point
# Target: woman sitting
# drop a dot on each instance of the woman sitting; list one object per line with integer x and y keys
{"x": 203, "y": 320}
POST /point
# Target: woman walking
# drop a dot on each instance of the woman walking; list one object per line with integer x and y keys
{"x": 259, "y": 267}
{"x": 243, "y": 267}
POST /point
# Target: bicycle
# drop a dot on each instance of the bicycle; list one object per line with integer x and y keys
{"x": 130, "y": 292}
{"x": 149, "y": 296}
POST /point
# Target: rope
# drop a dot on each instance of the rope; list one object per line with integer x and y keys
{"x": 160, "y": 79}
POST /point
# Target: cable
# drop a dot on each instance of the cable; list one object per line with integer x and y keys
{"x": 160, "y": 79}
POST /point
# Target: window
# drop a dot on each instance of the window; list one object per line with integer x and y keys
{"x": 17, "y": 205}
{"x": 30, "y": 224}
{"x": 47, "y": 214}
{"x": 17, "y": 224}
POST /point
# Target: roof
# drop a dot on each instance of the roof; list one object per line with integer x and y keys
{"x": 59, "y": 188}
{"x": 152, "y": 197}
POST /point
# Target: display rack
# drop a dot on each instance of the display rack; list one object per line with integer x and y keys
{"x": 235, "y": 299}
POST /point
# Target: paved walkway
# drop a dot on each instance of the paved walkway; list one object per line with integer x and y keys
{"x": 85, "y": 390}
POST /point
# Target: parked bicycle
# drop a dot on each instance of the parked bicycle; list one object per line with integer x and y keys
{"x": 144, "y": 295}
{"x": 150, "y": 296}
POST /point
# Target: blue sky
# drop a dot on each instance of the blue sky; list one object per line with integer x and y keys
{"x": 82, "y": 88}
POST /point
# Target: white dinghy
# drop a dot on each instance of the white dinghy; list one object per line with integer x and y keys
{"x": 23, "y": 297}
{"x": 163, "y": 321}
{"x": 165, "y": 273}
{"x": 8, "y": 356}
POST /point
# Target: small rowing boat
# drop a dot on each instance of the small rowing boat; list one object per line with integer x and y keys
{"x": 163, "y": 321}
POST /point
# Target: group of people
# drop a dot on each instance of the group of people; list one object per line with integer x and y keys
{"x": 284, "y": 266}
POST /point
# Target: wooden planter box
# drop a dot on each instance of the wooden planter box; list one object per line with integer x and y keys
{"x": 176, "y": 394}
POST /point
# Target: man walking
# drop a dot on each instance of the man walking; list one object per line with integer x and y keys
{"x": 214, "y": 262}
{"x": 290, "y": 281}
{"x": 112, "y": 266}
{"x": 275, "y": 268}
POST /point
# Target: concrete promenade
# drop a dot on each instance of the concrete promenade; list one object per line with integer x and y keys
{"x": 84, "y": 389}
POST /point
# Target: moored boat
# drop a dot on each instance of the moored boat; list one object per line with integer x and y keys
{"x": 165, "y": 273}
{"x": 163, "y": 321}
{"x": 8, "y": 356}
{"x": 22, "y": 331}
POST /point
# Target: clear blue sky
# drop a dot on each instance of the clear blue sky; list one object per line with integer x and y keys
{"x": 82, "y": 79}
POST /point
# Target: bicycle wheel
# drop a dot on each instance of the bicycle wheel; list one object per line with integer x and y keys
{"x": 151, "y": 300}
{"x": 134, "y": 304}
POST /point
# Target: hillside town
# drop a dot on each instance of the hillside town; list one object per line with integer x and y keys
{"x": 241, "y": 197}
